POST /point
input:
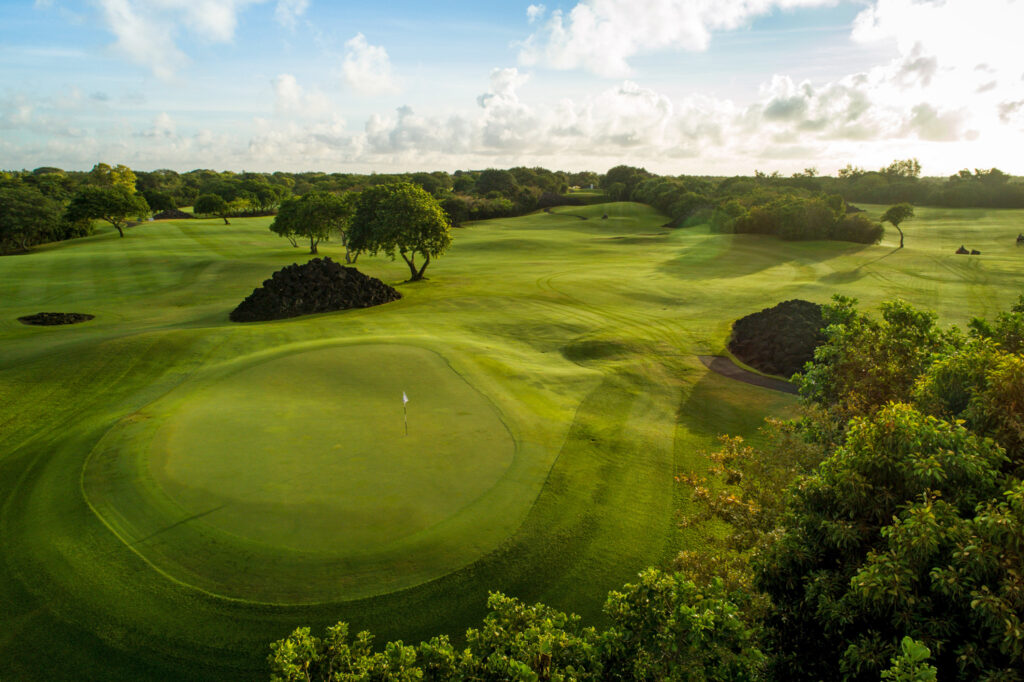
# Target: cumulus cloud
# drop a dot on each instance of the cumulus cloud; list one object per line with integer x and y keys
{"x": 535, "y": 12}
{"x": 601, "y": 35}
{"x": 287, "y": 12}
{"x": 292, "y": 99}
{"x": 367, "y": 68}
{"x": 145, "y": 30}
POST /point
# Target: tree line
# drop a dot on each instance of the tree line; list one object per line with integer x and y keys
{"x": 879, "y": 535}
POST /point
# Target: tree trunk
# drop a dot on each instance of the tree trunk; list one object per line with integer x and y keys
{"x": 411, "y": 262}
{"x": 901, "y": 235}
{"x": 225, "y": 220}
{"x": 120, "y": 231}
{"x": 312, "y": 245}
{"x": 419, "y": 275}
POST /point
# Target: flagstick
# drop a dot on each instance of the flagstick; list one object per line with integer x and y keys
{"x": 405, "y": 414}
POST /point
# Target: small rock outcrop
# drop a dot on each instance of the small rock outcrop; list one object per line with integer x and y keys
{"x": 962, "y": 250}
{"x": 319, "y": 286}
{"x": 779, "y": 340}
{"x": 51, "y": 319}
{"x": 975, "y": 252}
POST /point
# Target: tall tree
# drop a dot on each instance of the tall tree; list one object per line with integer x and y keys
{"x": 27, "y": 217}
{"x": 120, "y": 175}
{"x": 315, "y": 216}
{"x": 213, "y": 204}
{"x": 400, "y": 218}
{"x": 896, "y": 215}
{"x": 113, "y": 204}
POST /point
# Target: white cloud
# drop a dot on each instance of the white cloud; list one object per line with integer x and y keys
{"x": 601, "y": 35}
{"x": 287, "y": 12}
{"x": 367, "y": 68}
{"x": 535, "y": 12}
{"x": 145, "y": 30}
{"x": 290, "y": 98}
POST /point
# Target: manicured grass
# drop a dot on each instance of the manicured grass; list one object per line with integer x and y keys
{"x": 173, "y": 497}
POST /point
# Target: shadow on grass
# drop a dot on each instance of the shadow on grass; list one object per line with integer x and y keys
{"x": 847, "y": 276}
{"x": 730, "y": 256}
{"x": 182, "y": 522}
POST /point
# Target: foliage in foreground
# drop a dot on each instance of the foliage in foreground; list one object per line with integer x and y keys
{"x": 881, "y": 536}
{"x": 663, "y": 628}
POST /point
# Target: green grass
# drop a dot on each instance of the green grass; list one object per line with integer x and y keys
{"x": 176, "y": 490}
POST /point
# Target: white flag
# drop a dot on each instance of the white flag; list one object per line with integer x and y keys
{"x": 405, "y": 398}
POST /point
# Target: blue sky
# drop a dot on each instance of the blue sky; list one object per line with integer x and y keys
{"x": 677, "y": 86}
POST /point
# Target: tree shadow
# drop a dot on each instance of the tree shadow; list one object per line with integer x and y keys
{"x": 847, "y": 276}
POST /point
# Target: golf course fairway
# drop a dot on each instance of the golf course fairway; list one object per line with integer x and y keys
{"x": 177, "y": 491}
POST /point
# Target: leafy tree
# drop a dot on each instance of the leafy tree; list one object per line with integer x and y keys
{"x": 314, "y": 216}
{"x": 401, "y": 218}
{"x": 158, "y": 201}
{"x": 842, "y": 576}
{"x": 911, "y": 665}
{"x": 493, "y": 180}
{"x": 866, "y": 363}
{"x": 664, "y": 628}
{"x": 213, "y": 204}
{"x": 120, "y": 175}
{"x": 896, "y": 215}
{"x": 27, "y": 217}
{"x": 113, "y": 204}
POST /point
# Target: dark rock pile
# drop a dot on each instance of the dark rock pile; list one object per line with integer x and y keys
{"x": 319, "y": 286}
{"x": 50, "y": 319}
{"x": 173, "y": 214}
{"x": 961, "y": 251}
{"x": 778, "y": 340}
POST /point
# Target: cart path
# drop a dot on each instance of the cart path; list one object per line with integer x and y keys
{"x": 727, "y": 368}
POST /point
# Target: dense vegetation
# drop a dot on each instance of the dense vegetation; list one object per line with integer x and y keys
{"x": 882, "y": 533}
{"x": 50, "y": 204}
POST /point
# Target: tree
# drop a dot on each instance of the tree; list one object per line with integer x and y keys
{"x": 27, "y": 217}
{"x": 213, "y": 204}
{"x": 314, "y": 216}
{"x": 103, "y": 175}
{"x": 113, "y": 204}
{"x": 852, "y": 566}
{"x": 896, "y": 215}
{"x": 400, "y": 217}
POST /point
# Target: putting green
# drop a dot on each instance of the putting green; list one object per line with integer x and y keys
{"x": 303, "y": 458}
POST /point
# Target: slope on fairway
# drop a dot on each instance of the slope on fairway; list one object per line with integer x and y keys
{"x": 301, "y": 465}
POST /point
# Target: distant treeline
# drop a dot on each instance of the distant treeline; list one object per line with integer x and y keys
{"x": 51, "y": 204}
{"x": 40, "y": 205}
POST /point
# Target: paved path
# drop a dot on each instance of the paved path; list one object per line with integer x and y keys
{"x": 727, "y": 368}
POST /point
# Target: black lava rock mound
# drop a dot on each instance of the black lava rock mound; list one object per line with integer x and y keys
{"x": 51, "y": 319}
{"x": 319, "y": 286}
{"x": 779, "y": 340}
{"x": 173, "y": 214}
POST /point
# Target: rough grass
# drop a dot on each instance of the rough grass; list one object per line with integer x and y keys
{"x": 579, "y": 337}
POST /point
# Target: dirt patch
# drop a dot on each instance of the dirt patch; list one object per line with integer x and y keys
{"x": 51, "y": 319}
{"x": 778, "y": 340}
{"x": 319, "y": 286}
{"x": 728, "y": 368}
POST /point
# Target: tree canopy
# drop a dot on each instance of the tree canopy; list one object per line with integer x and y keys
{"x": 400, "y": 218}
{"x": 896, "y": 215}
{"x": 314, "y": 216}
{"x": 113, "y": 203}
